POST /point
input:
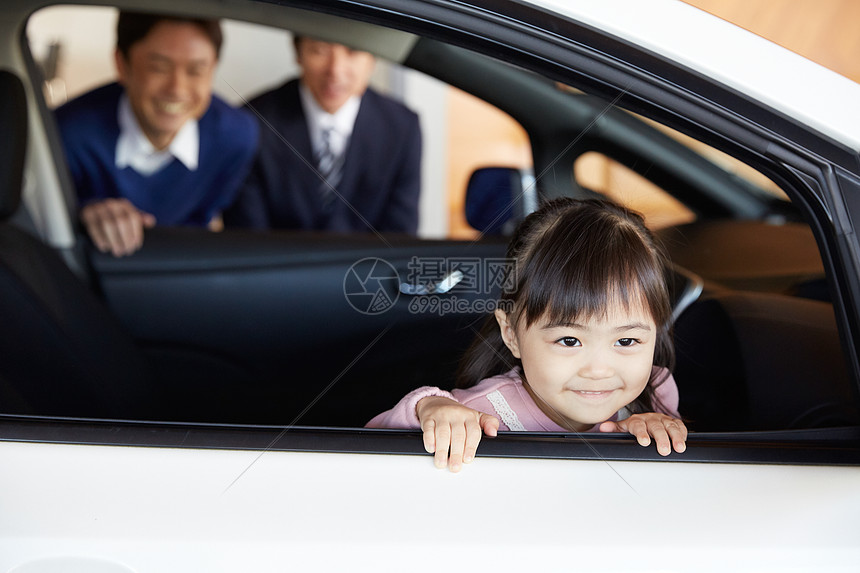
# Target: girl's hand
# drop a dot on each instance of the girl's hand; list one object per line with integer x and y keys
{"x": 448, "y": 425}
{"x": 667, "y": 431}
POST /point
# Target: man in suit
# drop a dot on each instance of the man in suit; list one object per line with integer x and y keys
{"x": 334, "y": 155}
{"x": 156, "y": 147}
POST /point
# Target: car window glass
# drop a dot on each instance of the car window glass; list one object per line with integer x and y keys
{"x": 598, "y": 173}
{"x": 724, "y": 160}
{"x": 760, "y": 255}
{"x": 480, "y": 136}
{"x": 459, "y": 132}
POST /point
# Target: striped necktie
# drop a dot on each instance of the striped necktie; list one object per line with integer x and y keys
{"x": 330, "y": 167}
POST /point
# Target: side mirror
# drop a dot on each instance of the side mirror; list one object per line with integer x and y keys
{"x": 498, "y": 198}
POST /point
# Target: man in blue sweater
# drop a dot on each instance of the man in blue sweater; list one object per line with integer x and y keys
{"x": 157, "y": 147}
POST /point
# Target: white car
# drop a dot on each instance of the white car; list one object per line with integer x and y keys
{"x": 198, "y": 406}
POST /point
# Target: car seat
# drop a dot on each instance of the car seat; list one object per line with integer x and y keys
{"x": 63, "y": 353}
{"x": 759, "y": 361}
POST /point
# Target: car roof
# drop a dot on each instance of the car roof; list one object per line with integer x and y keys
{"x": 775, "y": 76}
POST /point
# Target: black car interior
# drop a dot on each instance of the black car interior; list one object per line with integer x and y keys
{"x": 241, "y": 327}
{"x": 63, "y": 353}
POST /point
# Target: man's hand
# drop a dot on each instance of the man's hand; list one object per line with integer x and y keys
{"x": 116, "y": 226}
{"x": 448, "y": 425}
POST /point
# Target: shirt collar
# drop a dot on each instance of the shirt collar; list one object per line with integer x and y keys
{"x": 342, "y": 121}
{"x": 134, "y": 149}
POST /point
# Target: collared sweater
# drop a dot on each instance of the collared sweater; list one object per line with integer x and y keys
{"x": 505, "y": 397}
{"x": 89, "y": 127}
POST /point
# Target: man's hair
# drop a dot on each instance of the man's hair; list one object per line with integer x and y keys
{"x": 132, "y": 27}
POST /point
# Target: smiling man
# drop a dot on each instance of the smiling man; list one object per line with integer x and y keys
{"x": 335, "y": 155}
{"x": 157, "y": 147}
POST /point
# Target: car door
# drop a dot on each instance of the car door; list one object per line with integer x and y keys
{"x": 290, "y": 328}
{"x": 137, "y": 495}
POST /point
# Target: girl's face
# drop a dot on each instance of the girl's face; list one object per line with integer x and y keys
{"x": 581, "y": 374}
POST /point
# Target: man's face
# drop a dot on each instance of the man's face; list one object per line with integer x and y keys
{"x": 333, "y": 72}
{"x": 168, "y": 78}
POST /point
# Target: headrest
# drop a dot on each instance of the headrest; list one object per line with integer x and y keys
{"x": 13, "y": 142}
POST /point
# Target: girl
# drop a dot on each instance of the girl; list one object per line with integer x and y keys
{"x": 581, "y": 344}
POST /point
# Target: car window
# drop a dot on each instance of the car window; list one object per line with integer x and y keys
{"x": 481, "y": 136}
{"x": 599, "y": 173}
{"x": 459, "y": 132}
{"x": 265, "y": 309}
{"x": 724, "y": 160}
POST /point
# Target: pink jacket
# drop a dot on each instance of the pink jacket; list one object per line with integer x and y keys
{"x": 505, "y": 397}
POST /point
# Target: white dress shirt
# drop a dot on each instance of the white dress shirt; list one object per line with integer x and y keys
{"x": 134, "y": 149}
{"x": 340, "y": 122}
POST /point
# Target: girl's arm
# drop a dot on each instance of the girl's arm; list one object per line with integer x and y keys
{"x": 667, "y": 394}
{"x": 403, "y": 415}
{"x": 452, "y": 431}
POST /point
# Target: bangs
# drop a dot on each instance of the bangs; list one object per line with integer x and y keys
{"x": 567, "y": 279}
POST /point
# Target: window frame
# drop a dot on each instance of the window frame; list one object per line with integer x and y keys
{"x": 800, "y": 162}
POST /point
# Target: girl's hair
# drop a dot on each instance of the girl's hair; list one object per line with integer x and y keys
{"x": 573, "y": 260}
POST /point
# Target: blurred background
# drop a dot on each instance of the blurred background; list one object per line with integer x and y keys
{"x": 75, "y": 47}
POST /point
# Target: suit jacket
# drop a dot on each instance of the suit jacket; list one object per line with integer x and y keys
{"x": 380, "y": 186}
